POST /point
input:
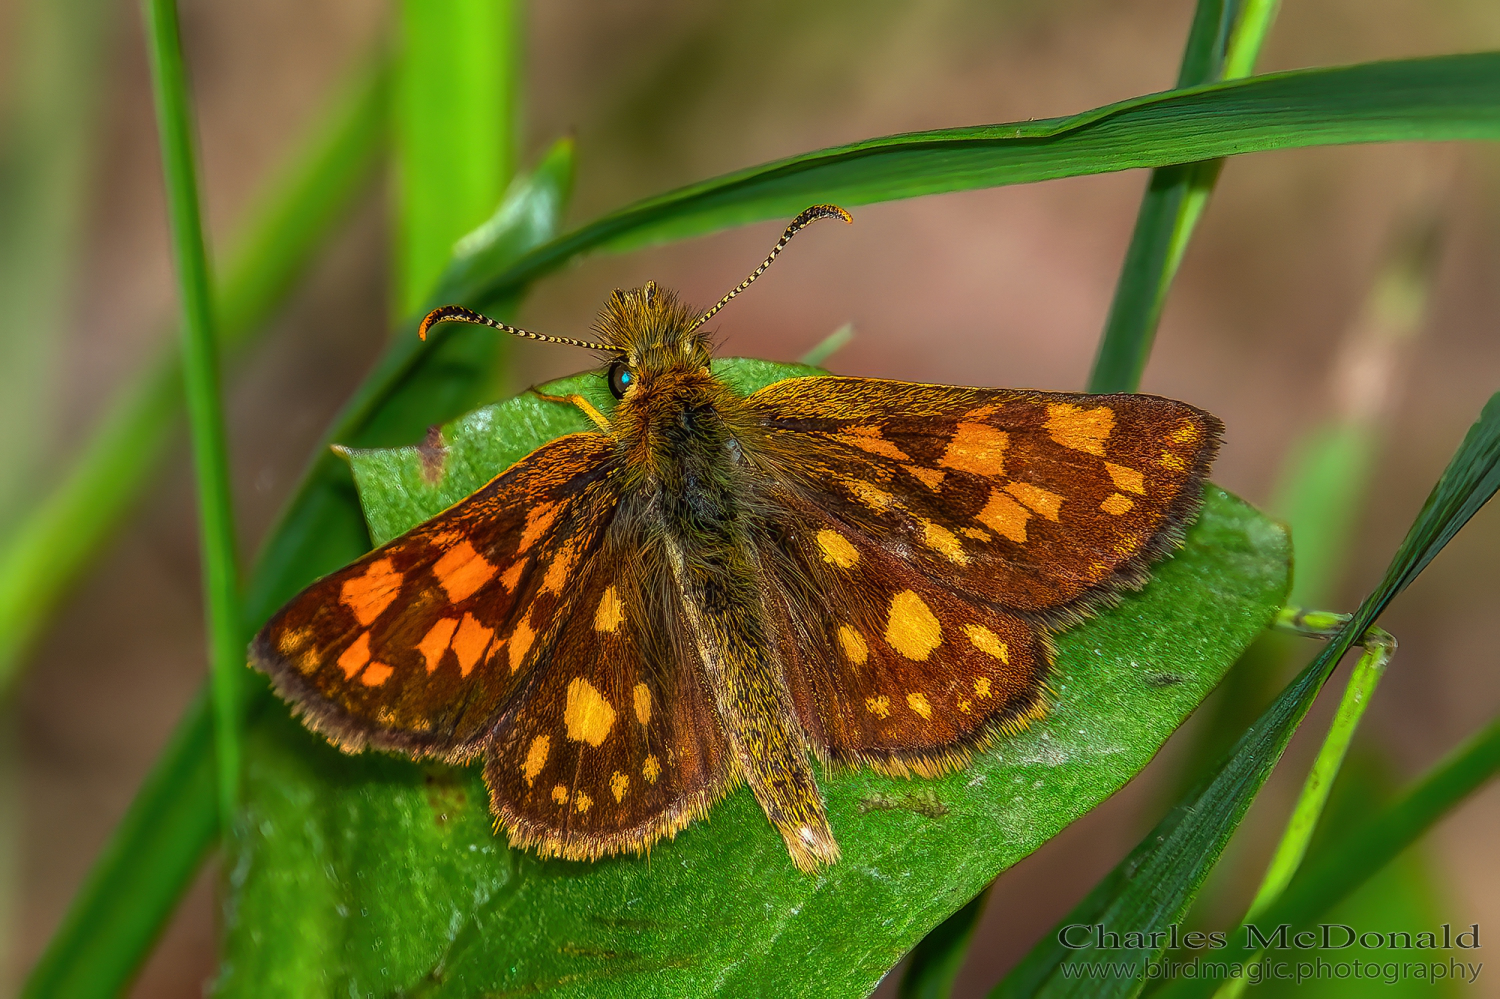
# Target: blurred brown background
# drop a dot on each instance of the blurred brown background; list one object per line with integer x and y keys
{"x": 1000, "y": 287}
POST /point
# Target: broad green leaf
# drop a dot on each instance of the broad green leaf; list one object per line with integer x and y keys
{"x": 376, "y": 875}
{"x": 1152, "y": 887}
{"x": 1438, "y": 99}
{"x": 153, "y": 855}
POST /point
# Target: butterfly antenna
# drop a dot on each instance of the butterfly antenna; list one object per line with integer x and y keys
{"x": 459, "y": 314}
{"x": 802, "y": 221}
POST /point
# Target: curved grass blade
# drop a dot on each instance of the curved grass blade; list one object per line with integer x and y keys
{"x": 153, "y": 855}
{"x": 1153, "y": 886}
{"x": 1438, "y": 99}
{"x": 1333, "y": 873}
{"x": 59, "y": 535}
{"x": 937, "y": 960}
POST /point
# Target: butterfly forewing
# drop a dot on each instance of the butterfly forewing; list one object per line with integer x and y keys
{"x": 419, "y": 645}
{"x": 615, "y": 743}
{"x": 1028, "y": 500}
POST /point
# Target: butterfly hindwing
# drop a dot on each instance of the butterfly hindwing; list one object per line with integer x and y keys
{"x": 615, "y": 743}
{"x": 888, "y": 667}
{"x": 420, "y": 644}
{"x": 1034, "y": 501}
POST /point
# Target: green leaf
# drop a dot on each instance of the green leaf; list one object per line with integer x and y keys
{"x": 1438, "y": 99}
{"x": 153, "y": 855}
{"x": 1153, "y": 886}
{"x": 373, "y": 874}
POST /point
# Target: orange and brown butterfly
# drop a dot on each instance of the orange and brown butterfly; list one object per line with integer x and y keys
{"x": 712, "y": 588}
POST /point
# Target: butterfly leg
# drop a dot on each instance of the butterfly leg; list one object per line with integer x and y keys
{"x": 588, "y": 408}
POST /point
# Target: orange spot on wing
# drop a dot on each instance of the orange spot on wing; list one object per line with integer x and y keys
{"x": 462, "y": 570}
{"x": 560, "y": 793}
{"x": 651, "y": 769}
{"x": 929, "y": 477}
{"x": 880, "y": 706}
{"x": 618, "y": 785}
{"x": 1005, "y": 517}
{"x": 371, "y": 592}
{"x": 977, "y": 448}
{"x": 435, "y": 642}
{"x": 559, "y": 570}
{"x": 912, "y": 629}
{"x": 538, "y": 519}
{"x": 375, "y": 674}
{"x": 355, "y": 656}
{"x": 940, "y": 539}
{"x": 1117, "y": 504}
{"x": 856, "y": 650}
{"x": 641, "y": 695}
{"x": 520, "y": 644}
{"x": 1038, "y": 499}
{"x": 610, "y": 613}
{"x": 918, "y": 702}
{"x": 469, "y": 643}
{"x": 875, "y": 498}
{"x": 869, "y": 439}
{"x": 512, "y": 576}
{"x": 536, "y": 758}
{"x": 1172, "y": 462}
{"x": 1126, "y": 479}
{"x": 837, "y": 549}
{"x": 1078, "y": 428}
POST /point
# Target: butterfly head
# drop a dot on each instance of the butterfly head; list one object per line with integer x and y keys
{"x": 654, "y": 335}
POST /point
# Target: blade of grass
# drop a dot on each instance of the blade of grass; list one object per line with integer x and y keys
{"x": 1334, "y": 872}
{"x": 205, "y": 409}
{"x": 1153, "y": 886}
{"x": 61, "y": 533}
{"x": 1223, "y": 43}
{"x": 937, "y": 960}
{"x": 456, "y": 103}
{"x": 1450, "y": 97}
{"x": 153, "y": 854}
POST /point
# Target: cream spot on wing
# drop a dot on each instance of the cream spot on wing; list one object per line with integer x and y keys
{"x": 988, "y": 642}
{"x": 1005, "y": 517}
{"x": 856, "y": 650}
{"x": 976, "y": 448}
{"x": 982, "y": 687}
{"x": 371, "y": 592}
{"x": 291, "y": 641}
{"x": 536, "y": 758}
{"x": 375, "y": 674}
{"x": 876, "y": 499}
{"x": 918, "y": 702}
{"x": 912, "y": 629}
{"x": 940, "y": 539}
{"x": 641, "y": 695}
{"x": 560, "y": 793}
{"x": 538, "y": 519}
{"x": 929, "y": 477}
{"x": 1041, "y": 500}
{"x": 869, "y": 439}
{"x": 435, "y": 642}
{"x": 837, "y": 549}
{"x": 520, "y": 644}
{"x": 462, "y": 570}
{"x": 1117, "y": 504}
{"x": 1078, "y": 428}
{"x": 469, "y": 643}
{"x": 582, "y": 802}
{"x": 610, "y": 613}
{"x": 618, "y": 785}
{"x": 1172, "y": 462}
{"x": 651, "y": 769}
{"x": 588, "y": 716}
{"x": 355, "y": 656}
{"x": 558, "y": 571}
{"x": 880, "y": 706}
{"x": 512, "y": 576}
{"x": 1126, "y": 478}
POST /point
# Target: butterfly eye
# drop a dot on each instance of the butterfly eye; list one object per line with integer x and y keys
{"x": 620, "y": 379}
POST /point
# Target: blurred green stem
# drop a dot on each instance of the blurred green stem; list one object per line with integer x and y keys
{"x": 201, "y": 383}
{"x": 1175, "y": 197}
{"x": 457, "y": 129}
{"x": 59, "y": 534}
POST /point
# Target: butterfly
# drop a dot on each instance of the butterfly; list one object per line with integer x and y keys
{"x": 712, "y": 588}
